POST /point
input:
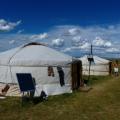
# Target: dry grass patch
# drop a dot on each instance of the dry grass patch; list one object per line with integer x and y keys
{"x": 101, "y": 103}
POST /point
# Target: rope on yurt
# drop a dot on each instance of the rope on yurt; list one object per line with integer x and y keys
{"x": 9, "y": 66}
{"x": 9, "y": 71}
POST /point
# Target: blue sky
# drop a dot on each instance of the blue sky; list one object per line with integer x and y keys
{"x": 40, "y": 15}
{"x": 67, "y": 25}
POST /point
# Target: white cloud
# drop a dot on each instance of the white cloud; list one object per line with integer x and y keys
{"x": 67, "y": 50}
{"x": 8, "y": 26}
{"x": 12, "y": 42}
{"x": 58, "y": 42}
{"x": 108, "y": 44}
{"x": 76, "y": 40}
{"x": 20, "y": 31}
{"x": 85, "y": 46}
{"x": 72, "y": 39}
{"x": 73, "y": 31}
{"x": 98, "y": 41}
{"x": 38, "y": 37}
{"x": 112, "y": 50}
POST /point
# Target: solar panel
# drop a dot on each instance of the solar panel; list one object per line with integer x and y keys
{"x": 25, "y": 81}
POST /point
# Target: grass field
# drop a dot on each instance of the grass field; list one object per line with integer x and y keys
{"x": 101, "y": 103}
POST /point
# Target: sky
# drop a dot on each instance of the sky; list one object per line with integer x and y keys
{"x": 70, "y": 26}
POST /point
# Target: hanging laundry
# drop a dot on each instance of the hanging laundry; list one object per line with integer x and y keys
{"x": 50, "y": 71}
{"x": 61, "y": 75}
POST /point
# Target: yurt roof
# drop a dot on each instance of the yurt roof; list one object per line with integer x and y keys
{"x": 34, "y": 54}
{"x": 97, "y": 60}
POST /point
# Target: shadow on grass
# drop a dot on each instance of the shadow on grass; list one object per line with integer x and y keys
{"x": 95, "y": 79}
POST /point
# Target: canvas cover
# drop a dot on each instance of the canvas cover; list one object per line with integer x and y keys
{"x": 100, "y": 66}
{"x": 35, "y": 59}
{"x": 34, "y": 55}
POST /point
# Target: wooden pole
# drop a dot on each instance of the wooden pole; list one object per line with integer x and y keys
{"x": 91, "y": 53}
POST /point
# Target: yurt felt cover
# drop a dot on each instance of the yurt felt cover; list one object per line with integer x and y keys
{"x": 100, "y": 66}
{"x": 36, "y": 59}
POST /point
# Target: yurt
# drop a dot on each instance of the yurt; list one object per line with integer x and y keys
{"x": 99, "y": 66}
{"x": 43, "y": 63}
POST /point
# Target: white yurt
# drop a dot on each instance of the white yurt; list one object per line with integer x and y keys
{"x": 99, "y": 66}
{"x": 36, "y": 59}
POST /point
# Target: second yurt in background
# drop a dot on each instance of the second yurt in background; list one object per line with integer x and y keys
{"x": 99, "y": 66}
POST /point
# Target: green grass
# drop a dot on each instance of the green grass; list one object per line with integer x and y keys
{"x": 101, "y": 103}
{"x": 97, "y": 79}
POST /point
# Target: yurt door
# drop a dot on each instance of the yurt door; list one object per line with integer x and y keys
{"x": 76, "y": 75}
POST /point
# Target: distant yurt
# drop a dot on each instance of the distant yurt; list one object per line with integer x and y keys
{"x": 44, "y": 64}
{"x": 99, "y": 66}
